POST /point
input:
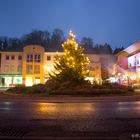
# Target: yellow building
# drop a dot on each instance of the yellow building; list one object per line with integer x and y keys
{"x": 33, "y": 65}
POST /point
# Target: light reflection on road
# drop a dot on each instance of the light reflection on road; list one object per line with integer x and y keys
{"x": 63, "y": 110}
{"x": 126, "y": 106}
{"x": 94, "y": 110}
{"x": 6, "y": 106}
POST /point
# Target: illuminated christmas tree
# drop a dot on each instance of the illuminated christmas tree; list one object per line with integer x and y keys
{"x": 72, "y": 65}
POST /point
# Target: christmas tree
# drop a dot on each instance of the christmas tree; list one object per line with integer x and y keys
{"x": 72, "y": 65}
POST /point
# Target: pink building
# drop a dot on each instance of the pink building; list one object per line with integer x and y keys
{"x": 128, "y": 63}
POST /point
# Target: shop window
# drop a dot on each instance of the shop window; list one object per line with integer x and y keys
{"x": 17, "y": 80}
{"x": 3, "y": 81}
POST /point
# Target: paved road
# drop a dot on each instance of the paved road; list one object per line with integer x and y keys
{"x": 95, "y": 120}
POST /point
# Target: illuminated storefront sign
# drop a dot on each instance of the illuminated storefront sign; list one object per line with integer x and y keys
{"x": 10, "y": 80}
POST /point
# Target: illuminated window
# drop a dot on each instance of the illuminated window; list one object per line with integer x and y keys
{"x": 37, "y": 57}
{"x": 6, "y": 68}
{"x": 29, "y": 69}
{"x": 19, "y": 69}
{"x": 37, "y": 69}
{"x": 12, "y": 57}
{"x": 19, "y": 57}
{"x": 28, "y": 81}
{"x": 7, "y": 57}
{"x": 29, "y": 57}
{"x": 48, "y": 58}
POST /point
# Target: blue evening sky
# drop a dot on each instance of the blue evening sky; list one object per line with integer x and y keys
{"x": 116, "y": 22}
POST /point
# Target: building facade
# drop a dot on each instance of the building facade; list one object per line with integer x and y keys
{"x": 128, "y": 64}
{"x": 33, "y": 65}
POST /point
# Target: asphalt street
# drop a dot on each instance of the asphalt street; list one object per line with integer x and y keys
{"x": 36, "y": 119}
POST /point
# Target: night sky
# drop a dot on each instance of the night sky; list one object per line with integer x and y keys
{"x": 116, "y": 22}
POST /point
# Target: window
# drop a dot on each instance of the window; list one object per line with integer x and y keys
{"x": 19, "y": 57}
{"x": 12, "y": 57}
{"x": 29, "y": 69}
{"x": 55, "y": 57}
{"x": 19, "y": 69}
{"x": 29, "y": 57}
{"x": 137, "y": 62}
{"x": 48, "y": 57}
{"x": 6, "y": 68}
{"x": 37, "y": 69}
{"x": 7, "y": 57}
{"x": 93, "y": 68}
{"x": 37, "y": 57}
{"x": 12, "y": 68}
{"x": 97, "y": 67}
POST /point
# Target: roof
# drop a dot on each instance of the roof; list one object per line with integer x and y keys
{"x": 133, "y": 48}
{"x": 130, "y": 50}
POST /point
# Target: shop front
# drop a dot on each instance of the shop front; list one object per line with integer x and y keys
{"x": 9, "y": 80}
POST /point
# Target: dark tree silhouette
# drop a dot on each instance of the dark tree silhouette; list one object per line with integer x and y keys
{"x": 87, "y": 44}
{"x": 52, "y": 42}
{"x": 3, "y": 43}
{"x": 104, "y": 49}
{"x": 14, "y": 44}
{"x": 57, "y": 39}
{"x": 37, "y": 37}
{"x": 117, "y": 50}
